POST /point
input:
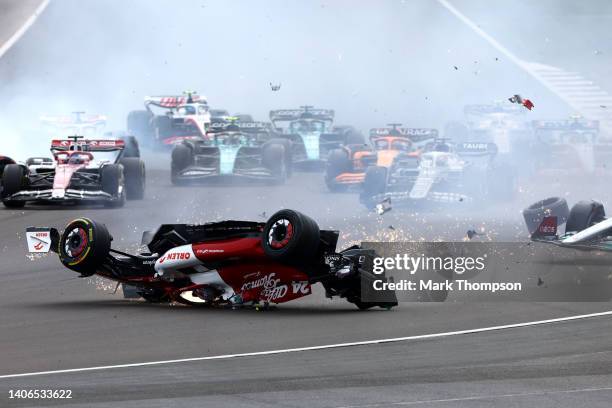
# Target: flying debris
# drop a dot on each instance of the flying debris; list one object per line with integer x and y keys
{"x": 456, "y": 68}
{"x": 519, "y": 100}
{"x": 384, "y": 206}
{"x": 274, "y": 87}
{"x": 472, "y": 233}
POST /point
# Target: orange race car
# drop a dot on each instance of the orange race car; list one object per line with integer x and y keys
{"x": 347, "y": 166}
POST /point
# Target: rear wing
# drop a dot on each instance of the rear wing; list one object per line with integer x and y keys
{"x": 566, "y": 125}
{"x": 172, "y": 101}
{"x": 486, "y": 109}
{"x": 414, "y": 134}
{"x": 246, "y": 127}
{"x": 287, "y": 115}
{"x": 98, "y": 145}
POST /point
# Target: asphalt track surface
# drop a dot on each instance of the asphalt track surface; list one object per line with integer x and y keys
{"x": 52, "y": 320}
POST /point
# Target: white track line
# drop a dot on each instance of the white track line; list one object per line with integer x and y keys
{"x": 313, "y": 348}
{"x": 480, "y": 397}
{"x": 15, "y": 37}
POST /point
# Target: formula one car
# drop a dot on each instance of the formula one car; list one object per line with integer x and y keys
{"x": 186, "y": 117}
{"x": 347, "y": 165}
{"x": 234, "y": 150}
{"x": 81, "y": 170}
{"x": 570, "y": 148}
{"x": 586, "y": 225}
{"x": 445, "y": 173}
{"x": 90, "y": 126}
{"x": 502, "y": 123}
{"x": 312, "y": 134}
{"x": 233, "y": 263}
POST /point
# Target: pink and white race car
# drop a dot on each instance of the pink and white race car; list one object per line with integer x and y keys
{"x": 80, "y": 170}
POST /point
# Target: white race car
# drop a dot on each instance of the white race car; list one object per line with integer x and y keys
{"x": 444, "y": 173}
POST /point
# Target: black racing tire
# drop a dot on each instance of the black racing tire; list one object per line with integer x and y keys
{"x": 84, "y": 246}
{"x": 374, "y": 183}
{"x": 584, "y": 214}
{"x": 182, "y": 157}
{"x": 113, "y": 183}
{"x": 13, "y": 180}
{"x": 139, "y": 123}
{"x": 4, "y": 161}
{"x": 135, "y": 177}
{"x": 286, "y": 143}
{"x": 338, "y": 162}
{"x": 132, "y": 149}
{"x": 162, "y": 126}
{"x": 553, "y": 206}
{"x": 274, "y": 159}
{"x": 290, "y": 236}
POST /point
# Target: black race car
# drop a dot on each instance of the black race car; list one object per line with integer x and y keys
{"x": 313, "y": 134}
{"x": 233, "y": 150}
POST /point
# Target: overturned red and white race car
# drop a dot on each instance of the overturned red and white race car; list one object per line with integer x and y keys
{"x": 80, "y": 170}
{"x": 227, "y": 263}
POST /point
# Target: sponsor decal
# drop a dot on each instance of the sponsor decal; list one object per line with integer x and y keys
{"x": 266, "y": 281}
{"x": 548, "y": 227}
{"x": 102, "y": 143}
{"x": 300, "y": 288}
{"x": 275, "y": 293}
{"x": 177, "y": 256}
{"x": 272, "y": 288}
{"x": 209, "y": 251}
{"x": 475, "y": 146}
